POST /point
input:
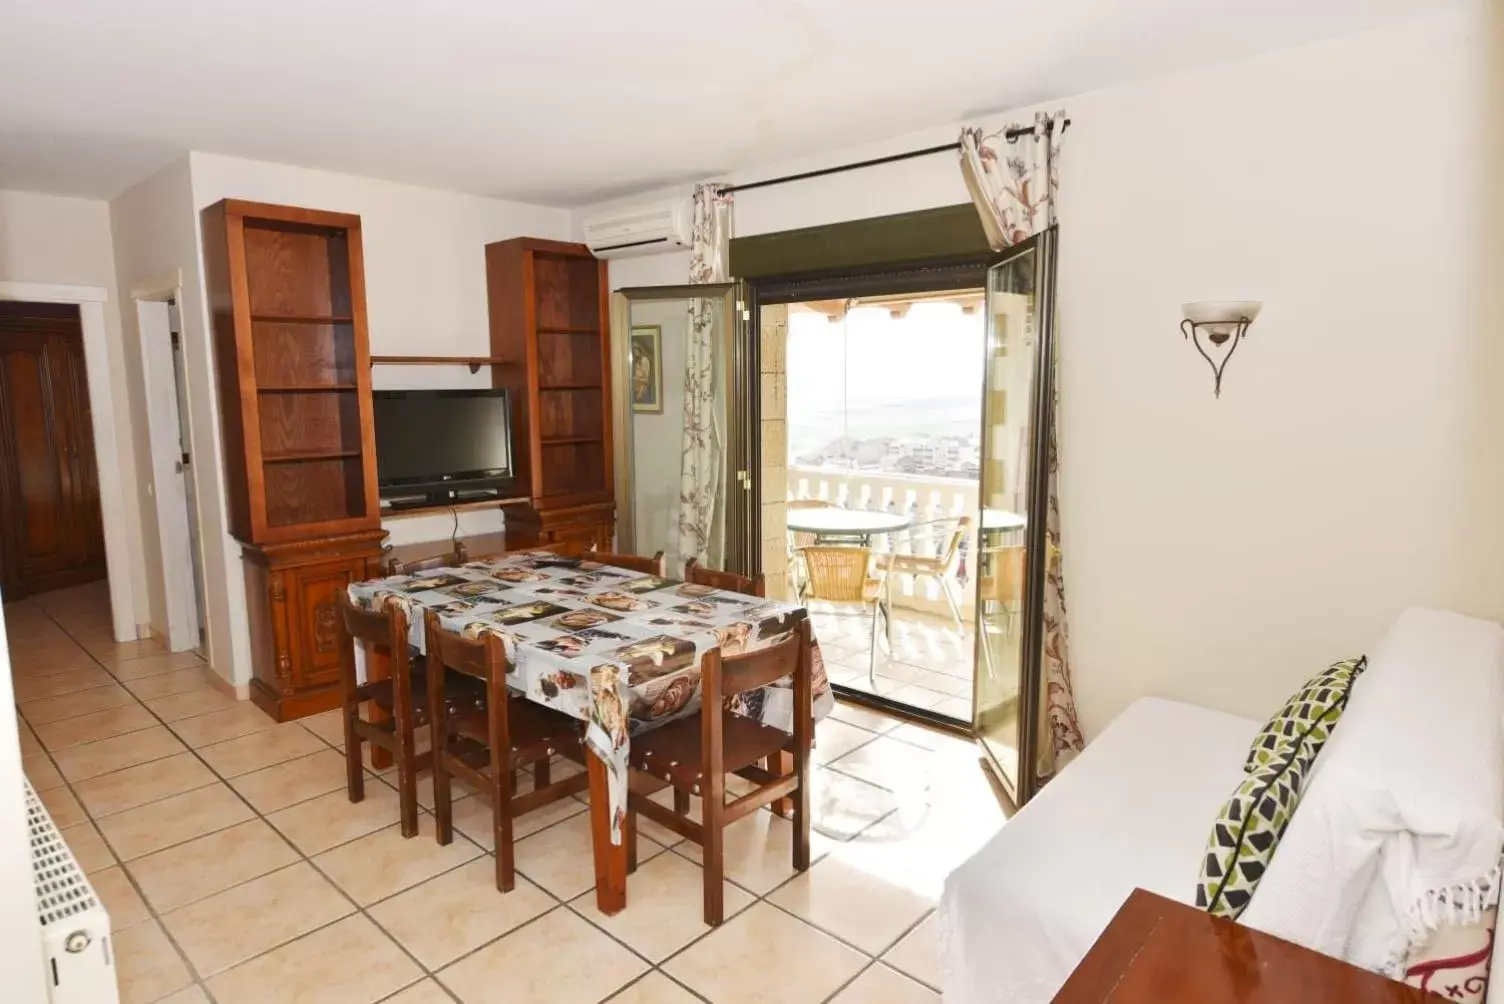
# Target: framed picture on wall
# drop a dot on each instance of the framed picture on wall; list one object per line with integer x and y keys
{"x": 647, "y": 368}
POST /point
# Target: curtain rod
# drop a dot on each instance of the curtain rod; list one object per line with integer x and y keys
{"x": 1011, "y": 134}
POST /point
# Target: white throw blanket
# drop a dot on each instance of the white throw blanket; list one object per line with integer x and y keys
{"x": 1402, "y": 822}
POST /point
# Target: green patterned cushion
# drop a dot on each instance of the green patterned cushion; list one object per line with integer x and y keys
{"x": 1308, "y": 718}
{"x": 1248, "y": 829}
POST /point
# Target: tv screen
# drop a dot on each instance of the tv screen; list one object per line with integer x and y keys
{"x": 429, "y": 437}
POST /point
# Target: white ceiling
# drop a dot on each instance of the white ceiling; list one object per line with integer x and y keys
{"x": 565, "y": 102}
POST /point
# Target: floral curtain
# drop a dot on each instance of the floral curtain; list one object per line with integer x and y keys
{"x": 702, "y": 449}
{"x": 1015, "y": 184}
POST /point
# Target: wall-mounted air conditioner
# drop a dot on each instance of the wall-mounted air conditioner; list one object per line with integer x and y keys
{"x": 76, "y": 946}
{"x": 650, "y": 228}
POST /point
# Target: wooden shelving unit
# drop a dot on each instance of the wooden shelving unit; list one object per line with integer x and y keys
{"x": 287, "y": 292}
{"x": 549, "y": 310}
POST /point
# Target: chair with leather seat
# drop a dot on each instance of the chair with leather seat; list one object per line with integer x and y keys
{"x": 401, "y": 701}
{"x": 694, "y": 754}
{"x": 485, "y": 747}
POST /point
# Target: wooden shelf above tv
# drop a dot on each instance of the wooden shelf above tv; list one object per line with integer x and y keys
{"x": 474, "y": 362}
{"x": 301, "y": 319}
{"x": 305, "y": 388}
{"x": 568, "y": 329}
{"x": 301, "y": 456}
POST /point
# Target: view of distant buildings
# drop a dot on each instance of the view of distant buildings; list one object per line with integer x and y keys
{"x": 942, "y": 456}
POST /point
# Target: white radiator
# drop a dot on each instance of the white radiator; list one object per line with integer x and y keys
{"x": 76, "y": 944}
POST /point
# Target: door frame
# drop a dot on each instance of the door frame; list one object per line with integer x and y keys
{"x": 621, "y": 322}
{"x": 159, "y": 384}
{"x": 90, "y": 301}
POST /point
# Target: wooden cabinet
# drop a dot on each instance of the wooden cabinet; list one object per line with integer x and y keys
{"x": 287, "y": 297}
{"x": 549, "y": 308}
{"x": 291, "y": 592}
{"x": 51, "y": 532}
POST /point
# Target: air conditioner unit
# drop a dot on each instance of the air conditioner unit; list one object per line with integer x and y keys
{"x": 651, "y": 228}
{"x": 77, "y": 951}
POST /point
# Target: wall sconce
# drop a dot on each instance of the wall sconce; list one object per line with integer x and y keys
{"x": 1220, "y": 324}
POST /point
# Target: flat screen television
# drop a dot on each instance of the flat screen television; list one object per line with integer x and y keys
{"x": 440, "y": 447}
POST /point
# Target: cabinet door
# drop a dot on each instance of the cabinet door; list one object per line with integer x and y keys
{"x": 313, "y": 619}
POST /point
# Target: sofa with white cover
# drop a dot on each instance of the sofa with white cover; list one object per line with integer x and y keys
{"x": 1406, "y": 797}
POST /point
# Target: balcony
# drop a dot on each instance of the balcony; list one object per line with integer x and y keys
{"x": 931, "y": 659}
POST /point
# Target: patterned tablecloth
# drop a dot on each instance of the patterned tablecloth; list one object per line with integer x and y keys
{"x": 615, "y": 648}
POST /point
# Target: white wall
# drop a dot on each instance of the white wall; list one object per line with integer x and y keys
{"x": 1220, "y": 551}
{"x": 155, "y": 244}
{"x": 52, "y": 239}
{"x": 425, "y": 295}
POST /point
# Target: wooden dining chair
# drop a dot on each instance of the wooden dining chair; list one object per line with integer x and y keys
{"x": 396, "y": 566}
{"x": 695, "y": 754}
{"x": 403, "y": 700}
{"x": 651, "y": 566}
{"x": 699, "y": 575}
{"x": 485, "y": 747}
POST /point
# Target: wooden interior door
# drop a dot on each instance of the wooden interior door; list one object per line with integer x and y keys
{"x": 51, "y": 533}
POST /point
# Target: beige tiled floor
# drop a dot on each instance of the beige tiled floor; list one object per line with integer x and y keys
{"x": 235, "y": 869}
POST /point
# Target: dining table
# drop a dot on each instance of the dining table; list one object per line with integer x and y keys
{"x": 832, "y": 525}
{"x": 617, "y": 649}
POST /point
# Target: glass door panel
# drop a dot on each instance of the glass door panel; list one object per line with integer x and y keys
{"x": 665, "y": 336}
{"x": 1009, "y": 402}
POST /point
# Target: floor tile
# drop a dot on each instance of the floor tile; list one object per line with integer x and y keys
{"x": 147, "y": 967}
{"x": 125, "y": 789}
{"x": 655, "y": 988}
{"x": 320, "y": 823}
{"x": 179, "y": 681}
{"x": 384, "y": 863}
{"x": 665, "y": 907}
{"x": 30, "y": 746}
{"x": 153, "y": 664}
{"x": 106, "y": 649}
{"x": 174, "y": 820}
{"x": 457, "y": 912}
{"x": 472, "y": 817}
{"x": 349, "y": 962}
{"x": 107, "y": 755}
{"x": 835, "y": 738}
{"x": 88, "y": 847}
{"x": 561, "y": 858}
{"x": 260, "y": 749}
{"x": 328, "y": 726}
{"x": 542, "y": 964}
{"x": 188, "y": 995}
{"x": 918, "y": 954}
{"x": 759, "y": 851}
{"x": 120, "y": 898}
{"x": 881, "y": 985}
{"x": 63, "y": 807}
{"x": 863, "y": 718}
{"x": 74, "y": 680}
{"x": 736, "y": 962}
{"x": 887, "y": 763}
{"x": 41, "y": 772}
{"x": 843, "y": 806}
{"x": 244, "y": 921}
{"x": 859, "y": 908}
{"x": 188, "y": 872}
{"x": 293, "y": 781}
{"x": 188, "y": 705}
{"x": 84, "y": 702}
{"x": 223, "y": 725}
{"x": 69, "y": 732}
{"x": 427, "y": 992}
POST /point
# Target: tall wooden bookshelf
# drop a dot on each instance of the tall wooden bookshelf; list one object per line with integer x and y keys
{"x": 549, "y": 309}
{"x": 287, "y": 296}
